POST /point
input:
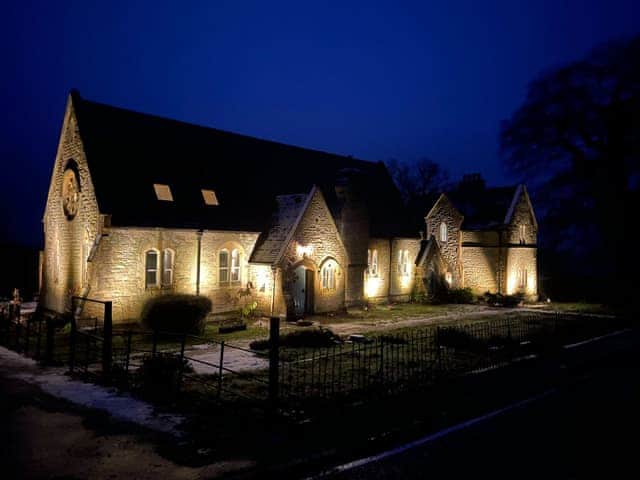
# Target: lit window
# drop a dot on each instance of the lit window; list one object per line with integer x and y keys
{"x": 448, "y": 278}
{"x": 235, "y": 266}
{"x": 223, "y": 266}
{"x": 372, "y": 262}
{"x": 168, "y": 257}
{"x": 403, "y": 262}
{"x": 329, "y": 276}
{"x": 151, "y": 268}
{"x": 163, "y": 192}
{"x": 210, "y": 197}
{"x": 522, "y": 234}
{"x": 522, "y": 278}
{"x": 443, "y": 232}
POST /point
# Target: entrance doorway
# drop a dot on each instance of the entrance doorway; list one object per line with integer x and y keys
{"x": 303, "y": 291}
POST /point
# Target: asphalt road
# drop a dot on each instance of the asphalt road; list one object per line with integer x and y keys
{"x": 587, "y": 428}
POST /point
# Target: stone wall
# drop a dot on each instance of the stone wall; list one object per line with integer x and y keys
{"x": 480, "y": 268}
{"x": 376, "y": 288}
{"x": 444, "y": 211}
{"x": 401, "y": 285}
{"x": 121, "y": 276}
{"x": 68, "y": 242}
{"x": 318, "y": 232}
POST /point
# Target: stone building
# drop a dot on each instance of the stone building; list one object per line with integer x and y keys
{"x": 141, "y": 206}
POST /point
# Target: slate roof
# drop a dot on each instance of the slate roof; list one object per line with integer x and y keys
{"x": 285, "y": 217}
{"x": 484, "y": 208}
{"x": 128, "y": 152}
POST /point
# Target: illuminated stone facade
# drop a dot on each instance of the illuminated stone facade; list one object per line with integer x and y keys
{"x": 313, "y": 256}
{"x": 498, "y": 258}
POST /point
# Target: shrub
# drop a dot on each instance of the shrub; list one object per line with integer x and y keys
{"x": 176, "y": 313}
{"x": 460, "y": 295}
{"x": 499, "y": 300}
{"x": 301, "y": 339}
{"x": 159, "y": 375}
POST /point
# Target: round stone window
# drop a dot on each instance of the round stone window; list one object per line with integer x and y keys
{"x": 70, "y": 193}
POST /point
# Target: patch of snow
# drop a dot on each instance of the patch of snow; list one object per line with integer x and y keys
{"x": 208, "y": 361}
{"x": 54, "y": 382}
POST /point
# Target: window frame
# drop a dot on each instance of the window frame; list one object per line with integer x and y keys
{"x": 235, "y": 267}
{"x": 403, "y": 262}
{"x": 166, "y": 269}
{"x": 155, "y": 270}
{"x": 328, "y": 275}
{"x": 444, "y": 232}
{"x": 226, "y": 268}
{"x": 372, "y": 262}
{"x": 522, "y": 278}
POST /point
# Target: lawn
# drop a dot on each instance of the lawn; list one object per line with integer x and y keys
{"x": 579, "y": 307}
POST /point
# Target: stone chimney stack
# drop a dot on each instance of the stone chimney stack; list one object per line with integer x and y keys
{"x": 353, "y": 224}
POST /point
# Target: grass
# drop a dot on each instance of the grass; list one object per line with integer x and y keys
{"x": 580, "y": 307}
{"x": 392, "y": 312}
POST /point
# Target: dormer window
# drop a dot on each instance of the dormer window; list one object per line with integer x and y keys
{"x": 443, "y": 232}
{"x": 209, "y": 197}
{"x": 163, "y": 192}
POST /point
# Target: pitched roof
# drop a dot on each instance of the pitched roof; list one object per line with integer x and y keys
{"x": 285, "y": 218}
{"x": 483, "y": 208}
{"x": 128, "y": 152}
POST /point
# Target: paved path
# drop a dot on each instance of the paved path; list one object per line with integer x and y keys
{"x": 54, "y": 427}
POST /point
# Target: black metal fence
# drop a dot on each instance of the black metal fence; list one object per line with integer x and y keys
{"x": 295, "y": 378}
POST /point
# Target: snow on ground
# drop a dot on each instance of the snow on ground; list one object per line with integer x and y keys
{"x": 234, "y": 359}
{"x": 54, "y": 382}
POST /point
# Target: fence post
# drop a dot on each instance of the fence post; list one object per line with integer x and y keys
{"x": 107, "y": 342}
{"x": 126, "y": 363}
{"x": 274, "y": 360}
{"x": 48, "y": 357}
{"x": 72, "y": 344}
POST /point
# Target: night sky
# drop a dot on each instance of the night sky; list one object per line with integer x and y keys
{"x": 375, "y": 80}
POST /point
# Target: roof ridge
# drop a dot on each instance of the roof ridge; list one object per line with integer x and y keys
{"x": 75, "y": 94}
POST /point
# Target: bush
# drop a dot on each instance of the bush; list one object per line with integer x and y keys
{"x": 499, "y": 300}
{"x": 176, "y": 313}
{"x": 301, "y": 339}
{"x": 460, "y": 295}
{"x": 159, "y": 375}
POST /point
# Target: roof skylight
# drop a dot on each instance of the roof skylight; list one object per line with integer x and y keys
{"x": 209, "y": 197}
{"x": 163, "y": 192}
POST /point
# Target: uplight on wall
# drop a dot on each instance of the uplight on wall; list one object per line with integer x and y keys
{"x": 304, "y": 250}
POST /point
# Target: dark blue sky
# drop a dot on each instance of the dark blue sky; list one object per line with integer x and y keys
{"x": 371, "y": 79}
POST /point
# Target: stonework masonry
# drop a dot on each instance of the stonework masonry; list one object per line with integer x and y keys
{"x": 85, "y": 255}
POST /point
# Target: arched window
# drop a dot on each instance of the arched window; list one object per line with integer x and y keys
{"x": 443, "y": 232}
{"x": 522, "y": 277}
{"x": 403, "y": 262}
{"x": 522, "y": 234}
{"x": 168, "y": 258}
{"x": 372, "y": 263}
{"x": 152, "y": 259}
{"x": 223, "y": 266}
{"x": 329, "y": 276}
{"x": 235, "y": 265}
